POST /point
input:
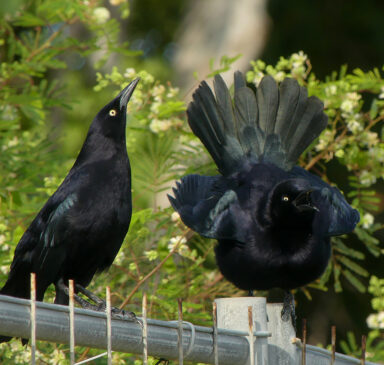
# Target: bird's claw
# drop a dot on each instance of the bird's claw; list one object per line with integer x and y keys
{"x": 101, "y": 305}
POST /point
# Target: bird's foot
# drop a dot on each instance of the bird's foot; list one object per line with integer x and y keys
{"x": 288, "y": 312}
{"x": 100, "y": 305}
{"x": 162, "y": 361}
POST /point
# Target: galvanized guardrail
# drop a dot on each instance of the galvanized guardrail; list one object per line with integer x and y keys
{"x": 260, "y": 342}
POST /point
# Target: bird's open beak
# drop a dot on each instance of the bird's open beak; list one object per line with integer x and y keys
{"x": 303, "y": 202}
{"x": 126, "y": 94}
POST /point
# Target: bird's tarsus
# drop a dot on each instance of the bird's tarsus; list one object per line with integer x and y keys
{"x": 250, "y": 293}
{"x": 288, "y": 312}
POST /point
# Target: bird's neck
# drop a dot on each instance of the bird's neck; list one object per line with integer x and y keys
{"x": 98, "y": 147}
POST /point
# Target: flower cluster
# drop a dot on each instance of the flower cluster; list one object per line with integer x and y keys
{"x": 376, "y": 288}
{"x": 296, "y": 66}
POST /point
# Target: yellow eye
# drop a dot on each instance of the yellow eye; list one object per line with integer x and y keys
{"x": 112, "y": 112}
{"x": 285, "y": 198}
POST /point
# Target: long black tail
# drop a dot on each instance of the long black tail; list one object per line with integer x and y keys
{"x": 274, "y": 124}
{"x": 16, "y": 287}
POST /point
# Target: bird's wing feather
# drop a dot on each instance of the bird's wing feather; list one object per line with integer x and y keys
{"x": 342, "y": 217}
{"x": 54, "y": 233}
{"x": 274, "y": 124}
{"x": 56, "y": 223}
{"x": 204, "y": 204}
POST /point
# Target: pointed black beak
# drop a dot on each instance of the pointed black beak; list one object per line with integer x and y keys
{"x": 126, "y": 94}
{"x": 303, "y": 202}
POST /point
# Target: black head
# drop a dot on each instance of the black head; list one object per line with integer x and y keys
{"x": 110, "y": 120}
{"x": 106, "y": 134}
{"x": 290, "y": 204}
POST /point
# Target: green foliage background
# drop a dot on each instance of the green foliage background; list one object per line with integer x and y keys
{"x": 46, "y": 98}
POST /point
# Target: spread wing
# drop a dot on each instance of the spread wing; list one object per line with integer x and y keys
{"x": 342, "y": 217}
{"x": 208, "y": 206}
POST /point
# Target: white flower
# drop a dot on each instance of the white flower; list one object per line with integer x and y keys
{"x": 367, "y": 220}
{"x": 372, "y": 321}
{"x": 172, "y": 92}
{"x": 350, "y": 102}
{"x": 381, "y": 95}
{"x": 298, "y": 59}
{"x": 101, "y": 15}
{"x": 354, "y": 96}
{"x": 158, "y": 90}
{"x": 178, "y": 240}
{"x": 158, "y": 125}
{"x": 257, "y": 78}
{"x": 324, "y": 140}
{"x": 330, "y": 90}
{"x": 155, "y": 106}
{"x": 279, "y": 76}
{"x": 175, "y": 217}
{"x": 347, "y": 106}
{"x": 372, "y": 138}
{"x": 56, "y": 357}
{"x": 354, "y": 125}
{"x": 367, "y": 178}
{"x": 13, "y": 142}
{"x": 130, "y": 73}
{"x": 380, "y": 318}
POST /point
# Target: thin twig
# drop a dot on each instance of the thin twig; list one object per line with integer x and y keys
{"x": 324, "y": 152}
{"x": 33, "y": 318}
{"x": 71, "y": 322}
{"x": 157, "y": 268}
{"x": 363, "y": 349}
{"x": 304, "y": 351}
{"x": 251, "y": 338}
{"x": 215, "y": 344}
{"x": 145, "y": 330}
{"x": 180, "y": 331}
{"x": 333, "y": 339}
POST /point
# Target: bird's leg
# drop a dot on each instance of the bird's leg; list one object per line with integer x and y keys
{"x": 250, "y": 293}
{"x": 61, "y": 287}
{"x": 101, "y": 305}
{"x": 162, "y": 361}
{"x": 288, "y": 311}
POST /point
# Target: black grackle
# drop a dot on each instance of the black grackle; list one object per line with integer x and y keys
{"x": 273, "y": 220}
{"x": 80, "y": 229}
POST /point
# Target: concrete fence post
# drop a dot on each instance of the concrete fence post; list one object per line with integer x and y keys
{"x": 232, "y": 313}
{"x": 282, "y": 349}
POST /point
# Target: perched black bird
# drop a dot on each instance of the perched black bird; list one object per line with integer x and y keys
{"x": 272, "y": 220}
{"x": 81, "y": 227}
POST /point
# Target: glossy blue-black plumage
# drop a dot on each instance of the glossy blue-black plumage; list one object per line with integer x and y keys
{"x": 81, "y": 227}
{"x": 273, "y": 220}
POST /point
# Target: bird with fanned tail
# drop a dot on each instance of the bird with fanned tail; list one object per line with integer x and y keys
{"x": 81, "y": 227}
{"x": 273, "y": 220}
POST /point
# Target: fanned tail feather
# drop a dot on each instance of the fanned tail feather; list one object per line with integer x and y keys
{"x": 275, "y": 124}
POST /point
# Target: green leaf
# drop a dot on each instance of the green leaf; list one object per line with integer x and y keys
{"x": 345, "y": 250}
{"x": 354, "y": 281}
{"x": 28, "y": 20}
{"x": 353, "y": 266}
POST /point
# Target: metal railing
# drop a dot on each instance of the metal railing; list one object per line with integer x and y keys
{"x": 260, "y": 342}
